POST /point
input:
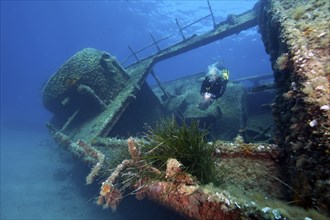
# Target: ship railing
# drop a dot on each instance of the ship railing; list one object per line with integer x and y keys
{"x": 134, "y": 53}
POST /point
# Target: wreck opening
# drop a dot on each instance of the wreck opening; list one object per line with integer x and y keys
{"x": 177, "y": 88}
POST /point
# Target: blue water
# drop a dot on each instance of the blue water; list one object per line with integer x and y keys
{"x": 37, "y": 37}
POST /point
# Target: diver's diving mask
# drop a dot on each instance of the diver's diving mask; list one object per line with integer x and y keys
{"x": 213, "y": 74}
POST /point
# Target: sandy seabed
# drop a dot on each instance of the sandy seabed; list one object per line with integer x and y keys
{"x": 29, "y": 189}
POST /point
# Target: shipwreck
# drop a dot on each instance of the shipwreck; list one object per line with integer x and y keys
{"x": 101, "y": 110}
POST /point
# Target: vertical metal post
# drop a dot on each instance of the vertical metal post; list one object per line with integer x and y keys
{"x": 160, "y": 84}
{"x": 177, "y": 22}
{"x": 214, "y": 25}
{"x": 155, "y": 42}
{"x": 134, "y": 54}
{"x": 244, "y": 116}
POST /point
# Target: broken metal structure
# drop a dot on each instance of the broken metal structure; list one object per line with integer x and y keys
{"x": 94, "y": 99}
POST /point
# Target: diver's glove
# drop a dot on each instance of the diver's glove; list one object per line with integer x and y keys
{"x": 206, "y": 101}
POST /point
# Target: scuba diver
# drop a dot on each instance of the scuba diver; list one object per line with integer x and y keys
{"x": 214, "y": 85}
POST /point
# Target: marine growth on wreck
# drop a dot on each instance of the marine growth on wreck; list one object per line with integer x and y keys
{"x": 222, "y": 163}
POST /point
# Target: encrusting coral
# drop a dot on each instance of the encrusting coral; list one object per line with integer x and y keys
{"x": 85, "y": 151}
{"x": 172, "y": 187}
{"x": 111, "y": 191}
{"x": 110, "y": 196}
{"x": 97, "y": 155}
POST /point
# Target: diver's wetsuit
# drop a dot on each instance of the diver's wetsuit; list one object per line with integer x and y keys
{"x": 216, "y": 88}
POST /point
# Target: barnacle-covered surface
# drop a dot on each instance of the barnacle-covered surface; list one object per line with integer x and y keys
{"x": 92, "y": 68}
{"x": 296, "y": 35}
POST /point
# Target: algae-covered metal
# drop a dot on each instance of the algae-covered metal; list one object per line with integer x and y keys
{"x": 296, "y": 35}
{"x": 97, "y": 104}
